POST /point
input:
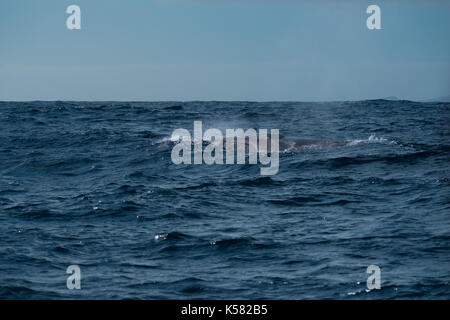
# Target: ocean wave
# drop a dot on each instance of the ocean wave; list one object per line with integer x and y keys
{"x": 92, "y": 183}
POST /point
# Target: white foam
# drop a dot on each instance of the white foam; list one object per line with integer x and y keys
{"x": 372, "y": 139}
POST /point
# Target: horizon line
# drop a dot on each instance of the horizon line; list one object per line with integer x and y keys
{"x": 442, "y": 99}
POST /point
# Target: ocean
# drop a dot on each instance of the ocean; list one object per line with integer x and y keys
{"x": 92, "y": 184}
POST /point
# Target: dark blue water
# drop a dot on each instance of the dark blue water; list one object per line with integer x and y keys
{"x": 93, "y": 184}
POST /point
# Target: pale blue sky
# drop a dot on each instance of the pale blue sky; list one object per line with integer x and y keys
{"x": 224, "y": 50}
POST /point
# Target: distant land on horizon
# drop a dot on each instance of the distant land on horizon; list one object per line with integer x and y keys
{"x": 440, "y": 99}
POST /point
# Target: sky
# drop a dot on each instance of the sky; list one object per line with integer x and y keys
{"x": 259, "y": 50}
